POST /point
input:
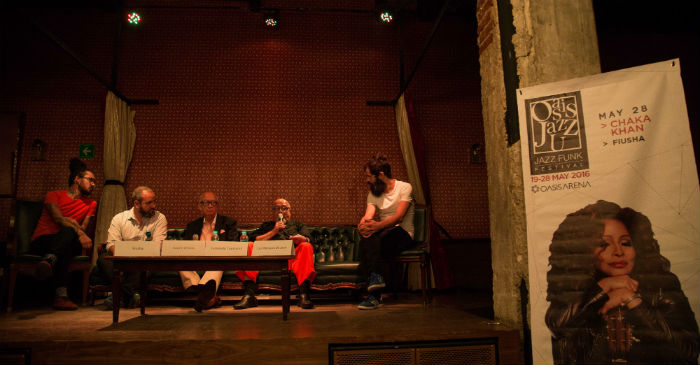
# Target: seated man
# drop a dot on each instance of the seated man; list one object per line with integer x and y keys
{"x": 60, "y": 233}
{"x": 283, "y": 228}
{"x": 132, "y": 225}
{"x": 202, "y": 228}
{"x": 389, "y": 236}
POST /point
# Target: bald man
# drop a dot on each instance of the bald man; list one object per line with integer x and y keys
{"x": 204, "y": 228}
{"x": 283, "y": 228}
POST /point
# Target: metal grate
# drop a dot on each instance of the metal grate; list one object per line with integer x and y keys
{"x": 464, "y": 351}
{"x": 372, "y": 357}
{"x": 476, "y": 354}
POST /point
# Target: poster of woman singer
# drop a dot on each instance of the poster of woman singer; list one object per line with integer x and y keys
{"x": 612, "y": 296}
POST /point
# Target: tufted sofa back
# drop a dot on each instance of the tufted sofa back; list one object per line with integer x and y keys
{"x": 331, "y": 244}
{"x": 335, "y": 244}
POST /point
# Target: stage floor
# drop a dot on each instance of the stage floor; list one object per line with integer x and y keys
{"x": 172, "y": 332}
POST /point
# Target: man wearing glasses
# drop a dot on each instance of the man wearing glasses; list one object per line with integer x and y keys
{"x": 283, "y": 228}
{"x": 203, "y": 229}
{"x": 60, "y": 232}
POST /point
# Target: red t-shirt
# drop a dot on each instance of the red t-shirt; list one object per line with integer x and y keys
{"x": 77, "y": 209}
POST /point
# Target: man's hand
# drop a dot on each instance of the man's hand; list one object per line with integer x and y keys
{"x": 297, "y": 239}
{"x": 367, "y": 227}
{"x": 85, "y": 241}
{"x": 279, "y": 226}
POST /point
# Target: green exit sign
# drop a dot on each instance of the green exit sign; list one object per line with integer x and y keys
{"x": 87, "y": 150}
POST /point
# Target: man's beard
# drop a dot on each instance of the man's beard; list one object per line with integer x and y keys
{"x": 377, "y": 188}
{"x": 84, "y": 192}
{"x": 147, "y": 214}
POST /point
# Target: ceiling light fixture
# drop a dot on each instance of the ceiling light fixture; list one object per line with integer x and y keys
{"x": 271, "y": 18}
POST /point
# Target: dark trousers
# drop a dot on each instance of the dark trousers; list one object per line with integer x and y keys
{"x": 64, "y": 245}
{"x": 381, "y": 246}
{"x": 131, "y": 281}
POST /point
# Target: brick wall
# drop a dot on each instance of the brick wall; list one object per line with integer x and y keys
{"x": 250, "y": 113}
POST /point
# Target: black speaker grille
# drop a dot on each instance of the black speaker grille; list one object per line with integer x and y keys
{"x": 477, "y": 354}
{"x": 374, "y": 357}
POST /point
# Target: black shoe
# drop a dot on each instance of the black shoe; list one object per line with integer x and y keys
{"x": 43, "y": 270}
{"x": 248, "y": 301}
{"x": 194, "y": 289}
{"x": 305, "y": 302}
{"x": 205, "y": 295}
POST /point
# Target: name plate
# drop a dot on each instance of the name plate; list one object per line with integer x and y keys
{"x": 273, "y": 248}
{"x": 226, "y": 248}
{"x": 182, "y": 248}
{"x": 137, "y": 248}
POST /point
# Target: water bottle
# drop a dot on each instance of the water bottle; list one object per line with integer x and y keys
{"x": 148, "y": 236}
{"x": 215, "y": 236}
{"x": 244, "y": 236}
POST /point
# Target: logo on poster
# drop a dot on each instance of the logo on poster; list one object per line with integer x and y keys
{"x": 556, "y": 133}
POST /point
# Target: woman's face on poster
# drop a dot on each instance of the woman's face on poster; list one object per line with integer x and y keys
{"x": 615, "y": 255}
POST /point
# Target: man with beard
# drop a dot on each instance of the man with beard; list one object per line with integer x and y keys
{"x": 283, "y": 228}
{"x": 391, "y": 234}
{"x": 203, "y": 229}
{"x": 60, "y": 233}
{"x": 132, "y": 225}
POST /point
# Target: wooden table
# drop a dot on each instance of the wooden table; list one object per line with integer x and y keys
{"x": 143, "y": 264}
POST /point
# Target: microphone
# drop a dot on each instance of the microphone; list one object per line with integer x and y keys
{"x": 280, "y": 218}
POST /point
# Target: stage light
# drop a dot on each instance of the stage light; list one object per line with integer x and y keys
{"x": 386, "y": 16}
{"x": 270, "y": 21}
{"x": 271, "y": 18}
{"x": 133, "y": 18}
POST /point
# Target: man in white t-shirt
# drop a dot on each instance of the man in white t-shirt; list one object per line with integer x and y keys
{"x": 131, "y": 225}
{"x": 388, "y": 235}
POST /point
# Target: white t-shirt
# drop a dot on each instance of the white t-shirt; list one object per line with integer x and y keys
{"x": 388, "y": 203}
{"x": 125, "y": 227}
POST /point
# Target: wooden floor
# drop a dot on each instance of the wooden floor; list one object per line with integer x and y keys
{"x": 172, "y": 332}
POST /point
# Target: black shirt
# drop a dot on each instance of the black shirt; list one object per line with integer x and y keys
{"x": 293, "y": 228}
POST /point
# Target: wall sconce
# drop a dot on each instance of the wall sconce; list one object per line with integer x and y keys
{"x": 38, "y": 150}
{"x": 476, "y": 154}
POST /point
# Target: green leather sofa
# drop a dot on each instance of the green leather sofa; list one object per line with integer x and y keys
{"x": 335, "y": 255}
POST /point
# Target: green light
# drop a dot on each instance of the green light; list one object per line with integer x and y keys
{"x": 386, "y": 17}
{"x": 271, "y": 22}
{"x": 133, "y": 18}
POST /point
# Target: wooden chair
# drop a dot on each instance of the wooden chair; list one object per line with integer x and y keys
{"x": 22, "y": 226}
{"x": 420, "y": 253}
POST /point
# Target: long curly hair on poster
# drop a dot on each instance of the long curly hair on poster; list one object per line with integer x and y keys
{"x": 612, "y": 295}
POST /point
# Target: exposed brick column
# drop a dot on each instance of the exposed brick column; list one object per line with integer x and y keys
{"x": 522, "y": 43}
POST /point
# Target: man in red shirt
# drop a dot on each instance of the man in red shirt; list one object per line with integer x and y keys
{"x": 60, "y": 233}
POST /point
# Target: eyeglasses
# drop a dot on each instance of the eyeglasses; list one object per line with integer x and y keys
{"x": 90, "y": 179}
{"x": 282, "y": 208}
{"x": 213, "y": 203}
